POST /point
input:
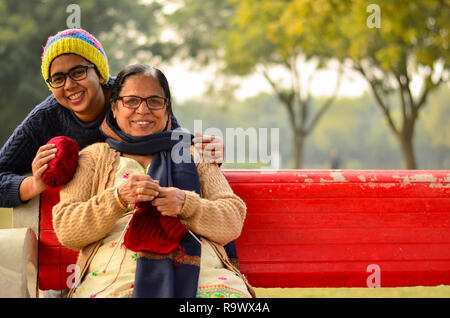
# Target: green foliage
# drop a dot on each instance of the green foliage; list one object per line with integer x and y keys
{"x": 250, "y": 39}
{"x": 197, "y": 24}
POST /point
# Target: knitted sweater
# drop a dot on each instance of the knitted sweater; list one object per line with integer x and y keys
{"x": 88, "y": 210}
{"x": 47, "y": 120}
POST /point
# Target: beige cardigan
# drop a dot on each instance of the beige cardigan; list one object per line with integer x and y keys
{"x": 88, "y": 210}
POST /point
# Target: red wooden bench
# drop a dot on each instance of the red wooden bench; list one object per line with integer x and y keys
{"x": 321, "y": 228}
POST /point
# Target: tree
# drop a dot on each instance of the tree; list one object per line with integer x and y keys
{"x": 408, "y": 44}
{"x": 251, "y": 36}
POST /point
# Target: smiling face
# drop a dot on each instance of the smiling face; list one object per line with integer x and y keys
{"x": 85, "y": 97}
{"x": 140, "y": 121}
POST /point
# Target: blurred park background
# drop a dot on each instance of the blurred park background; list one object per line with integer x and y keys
{"x": 348, "y": 84}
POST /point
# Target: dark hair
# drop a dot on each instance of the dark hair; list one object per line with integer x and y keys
{"x": 143, "y": 70}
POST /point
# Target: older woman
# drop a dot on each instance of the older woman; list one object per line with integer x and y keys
{"x": 160, "y": 255}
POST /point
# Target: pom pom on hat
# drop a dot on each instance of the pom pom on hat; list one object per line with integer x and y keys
{"x": 61, "y": 168}
{"x": 76, "y": 41}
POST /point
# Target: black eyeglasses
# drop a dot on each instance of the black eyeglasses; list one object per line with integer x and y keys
{"x": 77, "y": 73}
{"x": 153, "y": 102}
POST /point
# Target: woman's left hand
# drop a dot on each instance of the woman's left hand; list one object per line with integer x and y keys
{"x": 170, "y": 201}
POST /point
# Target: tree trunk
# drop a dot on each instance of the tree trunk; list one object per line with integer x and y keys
{"x": 299, "y": 142}
{"x": 407, "y": 146}
{"x": 298, "y": 135}
{"x": 410, "y": 110}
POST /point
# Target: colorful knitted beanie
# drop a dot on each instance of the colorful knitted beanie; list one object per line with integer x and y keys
{"x": 76, "y": 41}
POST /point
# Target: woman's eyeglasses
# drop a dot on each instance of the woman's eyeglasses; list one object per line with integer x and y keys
{"x": 77, "y": 73}
{"x": 153, "y": 102}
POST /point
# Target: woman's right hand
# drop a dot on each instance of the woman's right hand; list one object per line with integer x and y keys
{"x": 34, "y": 185}
{"x": 138, "y": 188}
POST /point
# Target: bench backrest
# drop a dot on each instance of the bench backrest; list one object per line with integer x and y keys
{"x": 321, "y": 228}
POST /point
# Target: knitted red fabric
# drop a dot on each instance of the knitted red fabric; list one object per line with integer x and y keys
{"x": 61, "y": 168}
{"x": 152, "y": 232}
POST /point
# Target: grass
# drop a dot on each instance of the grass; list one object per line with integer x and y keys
{"x": 399, "y": 292}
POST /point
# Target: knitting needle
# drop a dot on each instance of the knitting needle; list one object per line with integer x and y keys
{"x": 118, "y": 242}
{"x": 201, "y": 242}
{"x": 195, "y": 237}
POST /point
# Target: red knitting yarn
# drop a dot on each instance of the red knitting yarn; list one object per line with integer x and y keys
{"x": 152, "y": 232}
{"x": 61, "y": 168}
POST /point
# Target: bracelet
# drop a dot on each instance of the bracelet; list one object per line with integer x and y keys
{"x": 116, "y": 195}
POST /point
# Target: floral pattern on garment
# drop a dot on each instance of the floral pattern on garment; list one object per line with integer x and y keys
{"x": 220, "y": 291}
{"x": 216, "y": 281}
{"x": 118, "y": 279}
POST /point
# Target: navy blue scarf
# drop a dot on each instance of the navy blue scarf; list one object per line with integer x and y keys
{"x": 165, "y": 276}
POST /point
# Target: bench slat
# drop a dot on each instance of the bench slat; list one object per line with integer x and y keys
{"x": 348, "y": 205}
{"x": 349, "y": 274}
{"x": 338, "y": 191}
{"x": 305, "y": 236}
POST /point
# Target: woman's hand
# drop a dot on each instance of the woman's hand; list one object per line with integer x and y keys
{"x": 170, "y": 201}
{"x": 138, "y": 188}
{"x": 211, "y": 148}
{"x": 34, "y": 185}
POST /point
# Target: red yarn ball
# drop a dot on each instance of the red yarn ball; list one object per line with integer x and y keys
{"x": 61, "y": 168}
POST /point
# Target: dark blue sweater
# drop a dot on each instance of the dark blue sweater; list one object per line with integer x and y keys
{"x": 47, "y": 120}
